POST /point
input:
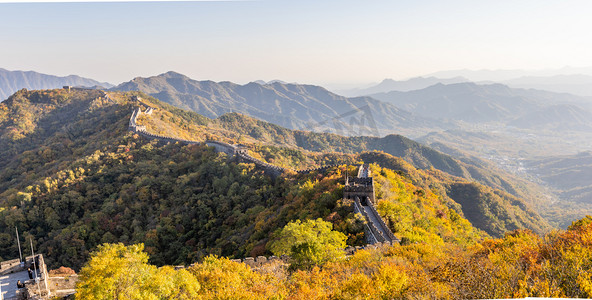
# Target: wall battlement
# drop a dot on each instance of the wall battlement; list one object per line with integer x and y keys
{"x": 262, "y": 261}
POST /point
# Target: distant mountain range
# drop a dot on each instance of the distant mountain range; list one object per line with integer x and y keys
{"x": 389, "y": 85}
{"x": 293, "y": 106}
{"x": 12, "y": 81}
{"x": 495, "y": 103}
{"x": 576, "y": 84}
{"x": 577, "y": 81}
{"x": 503, "y": 75}
{"x": 262, "y": 82}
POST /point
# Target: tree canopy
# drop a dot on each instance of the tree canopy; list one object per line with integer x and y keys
{"x": 115, "y": 271}
{"x": 312, "y": 242}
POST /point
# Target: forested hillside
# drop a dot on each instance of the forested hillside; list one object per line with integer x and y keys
{"x": 316, "y": 109}
{"x": 420, "y": 156}
{"x": 490, "y": 209}
{"x": 72, "y": 177}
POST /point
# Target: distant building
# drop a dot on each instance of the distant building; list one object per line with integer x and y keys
{"x": 67, "y": 87}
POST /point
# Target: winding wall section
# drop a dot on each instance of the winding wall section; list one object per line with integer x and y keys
{"x": 232, "y": 150}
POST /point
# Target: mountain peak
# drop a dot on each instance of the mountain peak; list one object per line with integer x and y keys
{"x": 262, "y": 82}
{"x": 388, "y": 85}
{"x": 172, "y": 74}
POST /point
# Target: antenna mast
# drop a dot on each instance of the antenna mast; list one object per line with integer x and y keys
{"x": 36, "y": 267}
{"x": 18, "y": 241}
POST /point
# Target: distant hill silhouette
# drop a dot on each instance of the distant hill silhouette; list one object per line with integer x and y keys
{"x": 477, "y": 103}
{"x": 389, "y": 85}
{"x": 502, "y": 75}
{"x": 576, "y": 84}
{"x": 12, "y": 81}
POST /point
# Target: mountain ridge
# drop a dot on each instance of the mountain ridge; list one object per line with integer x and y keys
{"x": 388, "y": 85}
{"x": 294, "y": 106}
{"x": 12, "y": 81}
{"x": 486, "y": 103}
{"x": 74, "y": 177}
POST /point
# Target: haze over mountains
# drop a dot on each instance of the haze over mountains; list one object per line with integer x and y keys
{"x": 495, "y": 103}
{"x": 500, "y": 75}
{"x": 411, "y": 84}
{"x": 571, "y": 80}
{"x": 12, "y": 81}
{"x": 576, "y": 81}
{"x": 577, "y": 84}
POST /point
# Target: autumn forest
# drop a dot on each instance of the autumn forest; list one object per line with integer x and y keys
{"x": 103, "y": 200}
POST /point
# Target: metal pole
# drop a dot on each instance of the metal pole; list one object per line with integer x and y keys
{"x": 35, "y": 266}
{"x": 18, "y": 241}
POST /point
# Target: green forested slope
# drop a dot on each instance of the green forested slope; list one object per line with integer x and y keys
{"x": 494, "y": 203}
{"x": 490, "y": 209}
{"x": 418, "y": 155}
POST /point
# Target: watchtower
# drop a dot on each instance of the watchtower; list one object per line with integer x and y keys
{"x": 362, "y": 186}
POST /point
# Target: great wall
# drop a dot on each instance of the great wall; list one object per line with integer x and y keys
{"x": 239, "y": 151}
{"x": 360, "y": 189}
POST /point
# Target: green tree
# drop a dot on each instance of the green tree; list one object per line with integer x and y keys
{"x": 312, "y": 242}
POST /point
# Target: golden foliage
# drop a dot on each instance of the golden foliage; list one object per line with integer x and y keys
{"x": 522, "y": 264}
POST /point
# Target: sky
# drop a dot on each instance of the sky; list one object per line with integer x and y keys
{"x": 318, "y": 42}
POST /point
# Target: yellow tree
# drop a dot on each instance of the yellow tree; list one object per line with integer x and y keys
{"x": 115, "y": 271}
{"x": 221, "y": 278}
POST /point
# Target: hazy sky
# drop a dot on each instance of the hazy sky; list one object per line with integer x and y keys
{"x": 321, "y": 42}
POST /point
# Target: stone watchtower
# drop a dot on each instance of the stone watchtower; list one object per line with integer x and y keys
{"x": 361, "y": 190}
{"x": 359, "y": 187}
